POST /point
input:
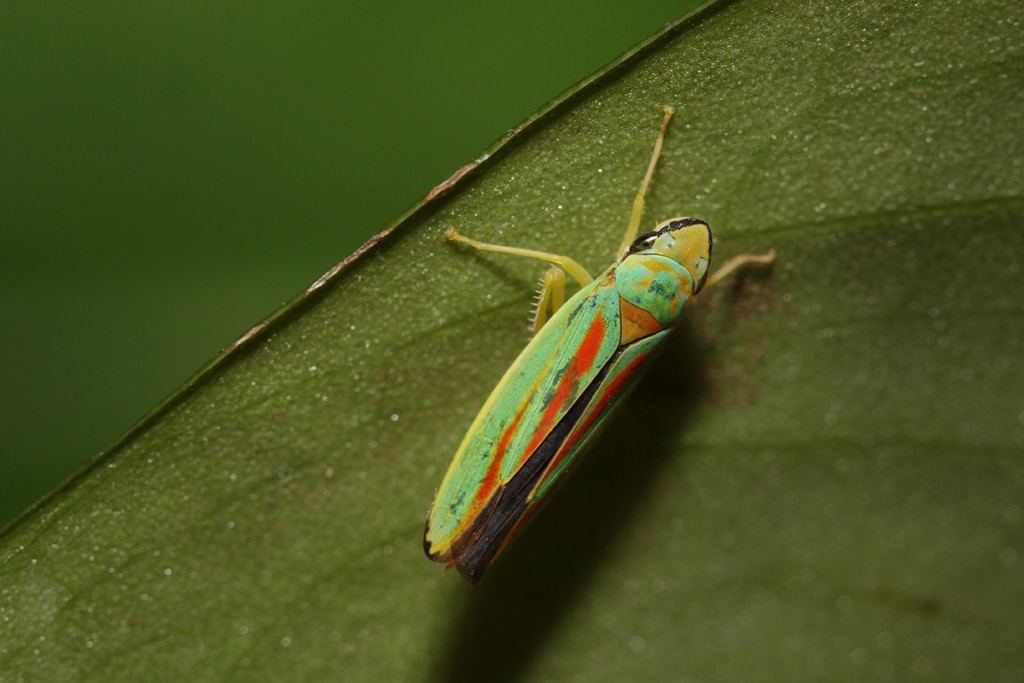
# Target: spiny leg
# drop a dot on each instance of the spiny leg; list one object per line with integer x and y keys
{"x": 738, "y": 262}
{"x": 552, "y": 292}
{"x": 550, "y": 297}
{"x": 638, "y": 203}
{"x": 578, "y": 272}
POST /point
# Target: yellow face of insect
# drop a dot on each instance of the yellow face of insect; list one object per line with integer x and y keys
{"x": 687, "y": 241}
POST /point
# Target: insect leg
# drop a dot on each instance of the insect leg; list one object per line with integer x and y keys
{"x": 578, "y": 272}
{"x": 552, "y": 288}
{"x": 550, "y": 297}
{"x": 638, "y": 203}
{"x": 738, "y": 262}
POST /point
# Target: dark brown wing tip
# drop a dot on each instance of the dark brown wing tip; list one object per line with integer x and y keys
{"x": 471, "y": 572}
{"x": 474, "y": 575}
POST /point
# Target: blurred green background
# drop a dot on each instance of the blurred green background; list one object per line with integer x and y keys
{"x": 170, "y": 173}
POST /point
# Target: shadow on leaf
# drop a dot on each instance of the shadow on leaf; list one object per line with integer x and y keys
{"x": 534, "y": 585}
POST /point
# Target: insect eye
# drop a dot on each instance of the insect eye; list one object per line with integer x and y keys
{"x": 643, "y": 242}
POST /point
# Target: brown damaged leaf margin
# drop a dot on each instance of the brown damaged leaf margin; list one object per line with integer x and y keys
{"x": 454, "y": 178}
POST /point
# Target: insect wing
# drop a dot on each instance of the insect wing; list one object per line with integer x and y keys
{"x": 536, "y": 392}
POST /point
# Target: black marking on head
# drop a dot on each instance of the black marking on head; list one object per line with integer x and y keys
{"x": 646, "y": 240}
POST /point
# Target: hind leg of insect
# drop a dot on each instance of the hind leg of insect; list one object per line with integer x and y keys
{"x": 552, "y": 290}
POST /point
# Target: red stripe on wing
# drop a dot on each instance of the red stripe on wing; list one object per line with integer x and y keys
{"x": 568, "y": 387}
{"x": 490, "y": 480}
{"x": 601, "y": 403}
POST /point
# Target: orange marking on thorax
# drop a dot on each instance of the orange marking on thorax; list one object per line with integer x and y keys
{"x": 637, "y": 323}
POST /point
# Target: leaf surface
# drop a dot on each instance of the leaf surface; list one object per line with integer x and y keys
{"x": 822, "y": 479}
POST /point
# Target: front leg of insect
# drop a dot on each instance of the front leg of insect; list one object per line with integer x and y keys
{"x": 581, "y": 362}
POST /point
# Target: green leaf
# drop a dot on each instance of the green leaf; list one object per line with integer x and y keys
{"x": 821, "y": 480}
